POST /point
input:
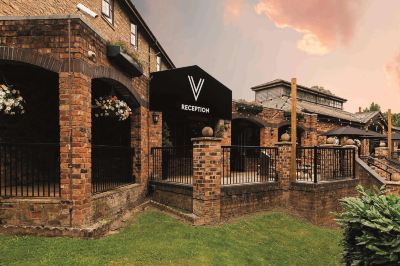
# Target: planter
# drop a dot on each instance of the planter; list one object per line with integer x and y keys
{"x": 126, "y": 63}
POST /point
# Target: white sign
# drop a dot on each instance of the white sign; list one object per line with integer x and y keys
{"x": 196, "y": 89}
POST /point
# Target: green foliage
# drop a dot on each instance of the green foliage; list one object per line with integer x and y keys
{"x": 373, "y": 107}
{"x": 158, "y": 239}
{"x": 219, "y": 131}
{"x": 124, "y": 47}
{"x": 371, "y": 224}
{"x": 395, "y": 119}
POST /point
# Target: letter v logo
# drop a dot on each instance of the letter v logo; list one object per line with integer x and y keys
{"x": 196, "y": 89}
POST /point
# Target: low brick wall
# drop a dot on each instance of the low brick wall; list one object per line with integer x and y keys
{"x": 316, "y": 202}
{"x": 108, "y": 205}
{"x": 35, "y": 211}
{"x": 174, "y": 195}
{"x": 237, "y": 200}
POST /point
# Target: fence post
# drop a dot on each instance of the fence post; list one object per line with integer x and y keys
{"x": 315, "y": 164}
{"x": 207, "y": 167}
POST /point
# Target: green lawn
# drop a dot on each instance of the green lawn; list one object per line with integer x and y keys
{"x": 154, "y": 238}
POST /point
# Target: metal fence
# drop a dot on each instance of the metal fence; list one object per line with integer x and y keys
{"x": 315, "y": 164}
{"x": 248, "y": 164}
{"x": 111, "y": 167}
{"x": 29, "y": 169}
{"x": 172, "y": 164}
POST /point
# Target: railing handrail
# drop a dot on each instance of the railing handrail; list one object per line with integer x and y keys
{"x": 387, "y": 166}
{"x": 259, "y": 147}
{"x": 325, "y": 148}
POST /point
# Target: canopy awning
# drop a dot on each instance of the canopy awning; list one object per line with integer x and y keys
{"x": 352, "y": 131}
{"x": 190, "y": 90}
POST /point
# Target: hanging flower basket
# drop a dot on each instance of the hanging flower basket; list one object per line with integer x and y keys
{"x": 111, "y": 107}
{"x": 11, "y": 102}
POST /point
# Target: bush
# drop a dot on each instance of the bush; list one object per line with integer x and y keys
{"x": 371, "y": 225}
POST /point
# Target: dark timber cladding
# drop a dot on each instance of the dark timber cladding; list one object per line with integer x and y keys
{"x": 190, "y": 90}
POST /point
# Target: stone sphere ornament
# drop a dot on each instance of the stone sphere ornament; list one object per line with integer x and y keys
{"x": 350, "y": 142}
{"x": 382, "y": 144}
{"x": 207, "y": 132}
{"x": 285, "y": 137}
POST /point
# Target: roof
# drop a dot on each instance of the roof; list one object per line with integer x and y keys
{"x": 150, "y": 34}
{"x": 281, "y": 82}
{"x": 284, "y": 103}
{"x": 352, "y": 131}
{"x": 366, "y": 116}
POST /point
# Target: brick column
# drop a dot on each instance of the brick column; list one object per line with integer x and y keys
{"x": 75, "y": 159}
{"x": 283, "y": 164}
{"x": 207, "y": 168}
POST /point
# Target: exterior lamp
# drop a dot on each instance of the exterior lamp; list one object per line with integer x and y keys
{"x": 156, "y": 117}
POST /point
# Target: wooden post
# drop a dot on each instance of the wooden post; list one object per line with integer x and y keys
{"x": 294, "y": 129}
{"x": 390, "y": 146}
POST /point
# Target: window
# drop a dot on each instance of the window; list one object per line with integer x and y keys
{"x": 134, "y": 35}
{"x": 158, "y": 63}
{"x": 107, "y": 9}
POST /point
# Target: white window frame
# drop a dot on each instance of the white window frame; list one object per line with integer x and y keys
{"x": 134, "y": 39}
{"x": 107, "y": 10}
{"x": 158, "y": 63}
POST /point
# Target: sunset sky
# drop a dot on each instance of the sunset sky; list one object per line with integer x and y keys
{"x": 351, "y": 47}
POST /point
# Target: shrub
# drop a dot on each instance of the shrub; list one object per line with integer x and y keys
{"x": 371, "y": 225}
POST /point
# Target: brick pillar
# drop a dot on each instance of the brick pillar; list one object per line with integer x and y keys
{"x": 265, "y": 137}
{"x": 207, "y": 170}
{"x": 75, "y": 118}
{"x": 283, "y": 169}
{"x": 140, "y": 120}
{"x": 283, "y": 164}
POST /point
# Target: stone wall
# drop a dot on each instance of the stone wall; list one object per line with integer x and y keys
{"x": 108, "y": 205}
{"x": 249, "y": 198}
{"x": 175, "y": 195}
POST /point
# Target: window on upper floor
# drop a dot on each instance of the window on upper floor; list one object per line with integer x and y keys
{"x": 134, "y": 40}
{"x": 107, "y": 10}
{"x": 158, "y": 63}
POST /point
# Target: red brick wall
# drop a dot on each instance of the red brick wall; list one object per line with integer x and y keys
{"x": 241, "y": 199}
{"x": 175, "y": 195}
{"x": 120, "y": 31}
{"x": 316, "y": 202}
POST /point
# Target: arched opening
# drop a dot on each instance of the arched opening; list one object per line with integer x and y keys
{"x": 29, "y": 141}
{"x": 112, "y": 151}
{"x": 245, "y": 133}
{"x": 245, "y": 139}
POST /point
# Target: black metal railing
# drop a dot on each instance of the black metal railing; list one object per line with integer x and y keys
{"x": 29, "y": 169}
{"x": 111, "y": 167}
{"x": 315, "y": 164}
{"x": 248, "y": 164}
{"x": 172, "y": 164}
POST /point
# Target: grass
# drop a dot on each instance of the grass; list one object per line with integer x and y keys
{"x": 155, "y": 238}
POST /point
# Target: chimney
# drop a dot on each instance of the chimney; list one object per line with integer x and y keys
{"x": 359, "y": 109}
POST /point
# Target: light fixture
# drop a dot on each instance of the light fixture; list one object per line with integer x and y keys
{"x": 87, "y": 10}
{"x": 156, "y": 117}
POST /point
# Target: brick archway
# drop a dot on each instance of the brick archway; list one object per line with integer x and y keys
{"x": 30, "y": 57}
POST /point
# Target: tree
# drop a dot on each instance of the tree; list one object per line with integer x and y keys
{"x": 373, "y": 108}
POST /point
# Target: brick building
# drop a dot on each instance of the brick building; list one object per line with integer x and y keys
{"x": 71, "y": 163}
{"x": 263, "y": 121}
{"x": 59, "y": 158}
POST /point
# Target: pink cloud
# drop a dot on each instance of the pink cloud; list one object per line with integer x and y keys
{"x": 392, "y": 70}
{"x": 325, "y": 24}
{"x": 233, "y": 10}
